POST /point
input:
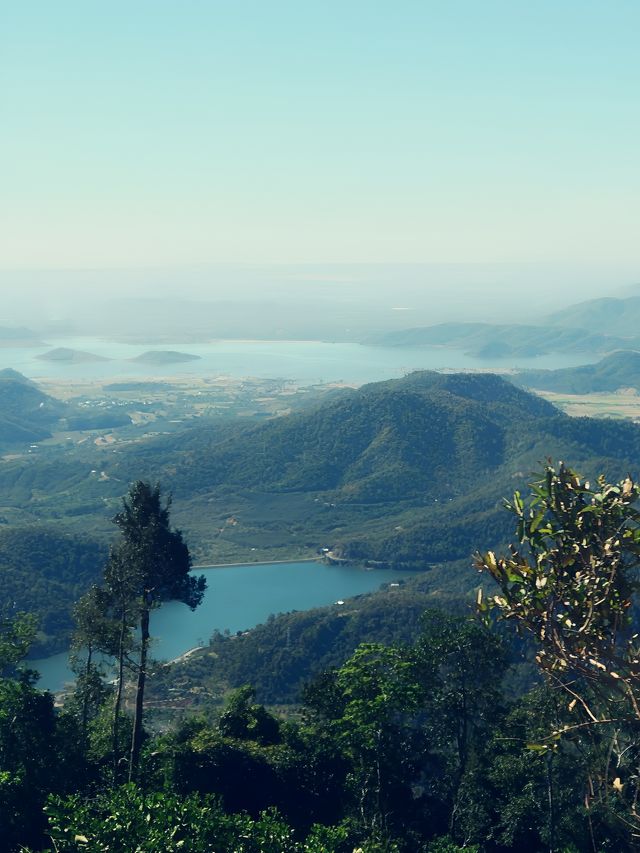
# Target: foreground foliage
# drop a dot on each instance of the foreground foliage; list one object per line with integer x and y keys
{"x": 570, "y": 583}
{"x": 403, "y": 748}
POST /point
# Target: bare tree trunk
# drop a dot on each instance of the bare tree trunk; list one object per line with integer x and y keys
{"x": 550, "y": 798}
{"x": 136, "y": 737}
{"x": 115, "y": 743}
{"x": 85, "y": 698}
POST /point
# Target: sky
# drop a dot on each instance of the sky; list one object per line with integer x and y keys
{"x": 160, "y": 134}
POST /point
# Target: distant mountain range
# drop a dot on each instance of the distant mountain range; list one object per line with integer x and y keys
{"x": 595, "y": 326}
{"x": 14, "y": 336}
{"x": 615, "y": 371}
{"x": 264, "y": 317}
{"x": 609, "y": 316}
{"x": 484, "y": 340}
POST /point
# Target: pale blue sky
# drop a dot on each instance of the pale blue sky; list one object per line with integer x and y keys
{"x": 158, "y": 132}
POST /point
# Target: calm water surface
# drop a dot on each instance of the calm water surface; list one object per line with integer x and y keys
{"x": 238, "y": 598}
{"x": 303, "y": 361}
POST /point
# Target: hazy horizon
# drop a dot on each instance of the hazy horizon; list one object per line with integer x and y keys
{"x": 386, "y": 293}
{"x": 164, "y": 135}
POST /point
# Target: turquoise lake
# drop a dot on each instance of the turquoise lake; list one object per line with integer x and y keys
{"x": 306, "y": 362}
{"x": 239, "y": 598}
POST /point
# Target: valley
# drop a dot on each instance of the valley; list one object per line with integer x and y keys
{"x": 406, "y": 473}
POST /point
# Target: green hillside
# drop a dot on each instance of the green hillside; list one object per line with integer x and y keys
{"x": 43, "y": 571}
{"x": 26, "y": 413}
{"x": 409, "y": 473}
{"x": 619, "y": 370}
{"x": 29, "y": 415}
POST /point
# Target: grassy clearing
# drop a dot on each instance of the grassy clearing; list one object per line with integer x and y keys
{"x": 623, "y": 404}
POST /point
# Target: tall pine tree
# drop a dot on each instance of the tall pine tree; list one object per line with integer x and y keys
{"x": 157, "y": 563}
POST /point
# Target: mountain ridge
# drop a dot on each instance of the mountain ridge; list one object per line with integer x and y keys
{"x": 620, "y": 369}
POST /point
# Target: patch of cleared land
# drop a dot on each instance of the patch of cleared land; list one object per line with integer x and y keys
{"x": 624, "y": 403}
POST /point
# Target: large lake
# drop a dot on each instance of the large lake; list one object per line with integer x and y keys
{"x": 238, "y": 598}
{"x": 306, "y": 362}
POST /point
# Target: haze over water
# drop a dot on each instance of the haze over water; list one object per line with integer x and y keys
{"x": 304, "y": 362}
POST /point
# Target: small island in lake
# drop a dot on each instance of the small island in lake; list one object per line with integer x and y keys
{"x": 160, "y": 357}
{"x": 70, "y": 356}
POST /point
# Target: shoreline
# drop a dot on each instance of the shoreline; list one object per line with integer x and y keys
{"x": 317, "y": 559}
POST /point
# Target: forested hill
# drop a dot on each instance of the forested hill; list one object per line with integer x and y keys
{"x": 426, "y": 434}
{"x": 43, "y": 570}
{"x": 280, "y": 656}
{"x": 406, "y": 471}
{"x": 409, "y": 473}
{"x": 26, "y": 413}
{"x": 618, "y": 370}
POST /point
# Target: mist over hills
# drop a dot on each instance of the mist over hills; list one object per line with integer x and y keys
{"x": 173, "y": 320}
{"x": 609, "y": 315}
{"x": 594, "y": 326}
{"x": 17, "y": 336}
{"x": 615, "y": 371}
{"x": 292, "y": 300}
{"x": 505, "y": 341}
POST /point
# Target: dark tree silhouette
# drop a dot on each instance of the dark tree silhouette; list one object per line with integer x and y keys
{"x": 158, "y": 564}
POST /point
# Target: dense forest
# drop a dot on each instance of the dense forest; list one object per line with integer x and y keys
{"x": 425, "y": 744}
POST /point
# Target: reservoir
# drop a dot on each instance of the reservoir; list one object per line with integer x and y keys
{"x": 239, "y": 598}
{"x": 305, "y": 362}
